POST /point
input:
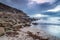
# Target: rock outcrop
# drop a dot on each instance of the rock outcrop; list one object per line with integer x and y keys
{"x": 12, "y": 19}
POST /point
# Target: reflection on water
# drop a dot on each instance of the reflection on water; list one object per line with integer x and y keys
{"x": 52, "y": 29}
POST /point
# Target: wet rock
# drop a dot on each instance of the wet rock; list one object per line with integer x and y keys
{"x": 35, "y": 23}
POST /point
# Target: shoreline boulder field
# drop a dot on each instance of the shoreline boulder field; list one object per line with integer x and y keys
{"x": 11, "y": 19}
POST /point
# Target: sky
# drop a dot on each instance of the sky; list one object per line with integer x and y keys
{"x": 47, "y": 10}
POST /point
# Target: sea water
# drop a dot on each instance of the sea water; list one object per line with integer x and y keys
{"x": 53, "y": 29}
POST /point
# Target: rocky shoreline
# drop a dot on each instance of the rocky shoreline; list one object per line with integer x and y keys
{"x": 16, "y": 25}
{"x": 29, "y": 33}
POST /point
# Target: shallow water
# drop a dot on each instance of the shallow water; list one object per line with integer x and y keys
{"x": 53, "y": 29}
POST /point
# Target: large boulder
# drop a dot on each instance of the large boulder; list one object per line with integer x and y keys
{"x": 1, "y": 31}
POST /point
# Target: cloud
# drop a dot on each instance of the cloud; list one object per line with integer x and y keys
{"x": 39, "y": 15}
{"x": 32, "y": 2}
{"x": 49, "y": 20}
{"x": 54, "y": 20}
{"x": 56, "y": 9}
{"x": 46, "y": 19}
{"x": 41, "y": 1}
